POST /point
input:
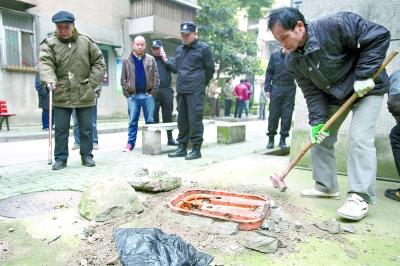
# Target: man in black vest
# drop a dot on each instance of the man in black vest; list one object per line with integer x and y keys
{"x": 195, "y": 66}
{"x": 164, "y": 97}
{"x": 394, "y": 108}
{"x": 281, "y": 89}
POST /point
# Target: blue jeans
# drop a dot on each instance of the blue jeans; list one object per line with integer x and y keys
{"x": 261, "y": 111}
{"x": 241, "y": 106}
{"x": 247, "y": 107}
{"x": 94, "y": 123}
{"x": 135, "y": 102}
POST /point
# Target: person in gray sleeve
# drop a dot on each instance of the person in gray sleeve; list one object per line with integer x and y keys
{"x": 394, "y": 109}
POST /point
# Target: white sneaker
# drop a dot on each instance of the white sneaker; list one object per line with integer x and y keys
{"x": 355, "y": 208}
{"x": 314, "y": 193}
{"x": 95, "y": 146}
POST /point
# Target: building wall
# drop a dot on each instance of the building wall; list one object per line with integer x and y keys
{"x": 105, "y": 21}
{"x": 385, "y": 13}
{"x": 271, "y": 44}
{"x": 101, "y": 21}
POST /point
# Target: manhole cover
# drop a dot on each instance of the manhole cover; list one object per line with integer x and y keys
{"x": 38, "y": 203}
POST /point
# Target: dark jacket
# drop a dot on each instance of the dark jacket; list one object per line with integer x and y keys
{"x": 394, "y": 95}
{"x": 195, "y": 66}
{"x": 340, "y": 49}
{"x": 128, "y": 75}
{"x": 277, "y": 78}
{"x": 43, "y": 94}
{"x": 165, "y": 70}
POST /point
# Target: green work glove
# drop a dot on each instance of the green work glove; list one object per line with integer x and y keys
{"x": 318, "y": 136}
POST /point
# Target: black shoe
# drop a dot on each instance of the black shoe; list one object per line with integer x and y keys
{"x": 282, "y": 143}
{"x": 270, "y": 144}
{"x": 58, "y": 165}
{"x": 195, "y": 153}
{"x": 87, "y": 160}
{"x": 172, "y": 142}
{"x": 180, "y": 152}
{"x": 393, "y": 194}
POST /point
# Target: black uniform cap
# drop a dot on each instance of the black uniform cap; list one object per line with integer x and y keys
{"x": 188, "y": 27}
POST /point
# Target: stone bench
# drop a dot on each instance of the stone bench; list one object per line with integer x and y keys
{"x": 229, "y": 133}
{"x": 151, "y": 135}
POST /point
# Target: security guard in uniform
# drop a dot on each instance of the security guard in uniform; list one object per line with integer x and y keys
{"x": 281, "y": 89}
{"x": 74, "y": 67}
{"x": 164, "y": 96}
{"x": 195, "y": 66}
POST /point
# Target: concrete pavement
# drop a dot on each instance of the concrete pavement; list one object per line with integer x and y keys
{"x": 24, "y": 169}
{"x": 34, "y": 131}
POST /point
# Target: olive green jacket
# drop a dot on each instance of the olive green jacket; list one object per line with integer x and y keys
{"x": 76, "y": 66}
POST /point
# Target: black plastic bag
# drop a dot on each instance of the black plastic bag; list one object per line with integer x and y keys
{"x": 151, "y": 246}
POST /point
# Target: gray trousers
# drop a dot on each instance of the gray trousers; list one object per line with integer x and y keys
{"x": 361, "y": 160}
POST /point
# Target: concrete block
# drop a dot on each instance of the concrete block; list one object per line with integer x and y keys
{"x": 231, "y": 133}
{"x": 151, "y": 142}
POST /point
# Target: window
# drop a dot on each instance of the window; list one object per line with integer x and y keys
{"x": 19, "y": 40}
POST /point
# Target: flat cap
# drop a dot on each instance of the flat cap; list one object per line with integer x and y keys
{"x": 188, "y": 27}
{"x": 63, "y": 17}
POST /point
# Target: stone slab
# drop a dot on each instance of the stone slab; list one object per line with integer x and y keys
{"x": 230, "y": 133}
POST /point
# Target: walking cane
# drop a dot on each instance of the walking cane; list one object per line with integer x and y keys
{"x": 50, "y": 149}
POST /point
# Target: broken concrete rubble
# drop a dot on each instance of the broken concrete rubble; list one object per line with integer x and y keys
{"x": 277, "y": 215}
{"x": 348, "y": 228}
{"x": 259, "y": 242}
{"x": 224, "y": 228}
{"x": 332, "y": 226}
{"x": 154, "y": 181}
{"x": 267, "y": 224}
{"x": 298, "y": 226}
{"x": 271, "y": 226}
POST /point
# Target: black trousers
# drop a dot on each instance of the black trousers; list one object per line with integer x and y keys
{"x": 164, "y": 100}
{"x": 190, "y": 117}
{"x": 395, "y": 143}
{"x": 236, "y": 108}
{"x": 62, "y": 117}
{"x": 281, "y": 107}
{"x": 214, "y": 104}
{"x": 228, "y": 106}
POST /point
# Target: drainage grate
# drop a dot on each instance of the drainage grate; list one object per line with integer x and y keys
{"x": 38, "y": 203}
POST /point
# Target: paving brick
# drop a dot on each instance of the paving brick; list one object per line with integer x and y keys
{"x": 38, "y": 176}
